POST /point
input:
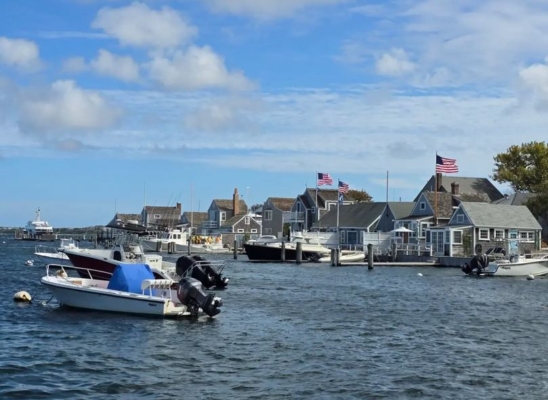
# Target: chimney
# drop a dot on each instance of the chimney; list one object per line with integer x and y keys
{"x": 438, "y": 181}
{"x": 178, "y": 206}
{"x": 236, "y": 202}
{"x": 455, "y": 188}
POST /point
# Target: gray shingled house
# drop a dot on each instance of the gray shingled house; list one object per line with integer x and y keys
{"x": 305, "y": 211}
{"x": 469, "y": 189}
{"x": 273, "y": 209}
{"x": 393, "y": 211}
{"x": 354, "y": 219}
{"x": 490, "y": 225}
{"x": 160, "y": 217}
{"x": 195, "y": 220}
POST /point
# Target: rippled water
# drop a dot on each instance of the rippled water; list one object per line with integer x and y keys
{"x": 309, "y": 331}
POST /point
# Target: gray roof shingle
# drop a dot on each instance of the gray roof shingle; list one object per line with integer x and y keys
{"x": 500, "y": 216}
{"x": 360, "y": 215}
{"x": 401, "y": 208}
{"x": 481, "y": 187}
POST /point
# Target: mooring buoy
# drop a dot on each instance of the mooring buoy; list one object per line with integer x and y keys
{"x": 530, "y": 277}
{"x": 419, "y": 274}
{"x": 22, "y": 296}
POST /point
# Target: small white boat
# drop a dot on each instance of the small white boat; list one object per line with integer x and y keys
{"x": 132, "y": 289}
{"x": 49, "y": 253}
{"x": 354, "y": 256}
{"x": 515, "y": 265}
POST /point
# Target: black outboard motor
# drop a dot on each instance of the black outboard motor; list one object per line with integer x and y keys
{"x": 479, "y": 263}
{"x": 190, "y": 294}
{"x": 218, "y": 280}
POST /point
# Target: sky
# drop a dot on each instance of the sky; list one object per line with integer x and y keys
{"x": 107, "y": 105}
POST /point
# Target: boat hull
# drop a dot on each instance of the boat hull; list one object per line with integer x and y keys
{"x": 55, "y": 257}
{"x": 267, "y": 253}
{"x": 523, "y": 268}
{"x": 90, "y": 298}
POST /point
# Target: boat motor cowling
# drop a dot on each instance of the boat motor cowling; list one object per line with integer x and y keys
{"x": 190, "y": 294}
{"x": 201, "y": 270}
{"x": 479, "y": 263}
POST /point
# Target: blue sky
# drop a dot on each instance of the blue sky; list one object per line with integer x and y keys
{"x": 100, "y": 99}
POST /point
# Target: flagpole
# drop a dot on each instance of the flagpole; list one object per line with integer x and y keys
{"x": 436, "y": 192}
{"x": 387, "y": 186}
{"x": 317, "y": 208}
{"x": 338, "y": 205}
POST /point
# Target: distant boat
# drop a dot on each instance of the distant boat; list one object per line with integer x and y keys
{"x": 49, "y": 254}
{"x": 37, "y": 230}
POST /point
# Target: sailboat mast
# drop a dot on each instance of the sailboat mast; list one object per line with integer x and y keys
{"x": 191, "y": 208}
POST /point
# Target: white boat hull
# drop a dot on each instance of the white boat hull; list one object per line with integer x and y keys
{"x": 99, "y": 299}
{"x": 352, "y": 257}
{"x": 53, "y": 257}
{"x": 535, "y": 267}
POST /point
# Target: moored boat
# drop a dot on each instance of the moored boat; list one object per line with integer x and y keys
{"x": 132, "y": 288}
{"x": 515, "y": 265}
{"x": 53, "y": 254}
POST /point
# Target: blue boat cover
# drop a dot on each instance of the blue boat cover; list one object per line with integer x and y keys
{"x": 128, "y": 277}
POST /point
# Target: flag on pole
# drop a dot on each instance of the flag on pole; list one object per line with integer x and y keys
{"x": 343, "y": 187}
{"x": 446, "y": 165}
{"x": 324, "y": 179}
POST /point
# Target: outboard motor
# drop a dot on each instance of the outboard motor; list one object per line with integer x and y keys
{"x": 218, "y": 281}
{"x": 190, "y": 294}
{"x": 479, "y": 263}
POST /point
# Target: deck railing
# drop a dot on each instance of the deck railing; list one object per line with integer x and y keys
{"x": 293, "y": 216}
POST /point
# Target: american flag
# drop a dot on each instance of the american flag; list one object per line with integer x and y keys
{"x": 324, "y": 179}
{"x": 343, "y": 187}
{"x": 446, "y": 165}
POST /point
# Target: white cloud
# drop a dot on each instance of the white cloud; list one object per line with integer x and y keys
{"x": 266, "y": 10}
{"x": 74, "y": 65}
{"x": 120, "y": 67}
{"x": 19, "y": 53}
{"x": 64, "y": 107}
{"x": 196, "y": 68}
{"x": 352, "y": 52}
{"x": 394, "y": 63}
{"x": 142, "y": 26}
{"x": 535, "y": 77}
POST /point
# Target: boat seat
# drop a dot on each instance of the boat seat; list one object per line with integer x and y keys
{"x": 156, "y": 284}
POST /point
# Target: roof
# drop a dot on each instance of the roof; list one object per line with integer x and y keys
{"x": 128, "y": 217}
{"x": 401, "y": 209}
{"x": 325, "y": 195}
{"x": 445, "y": 203}
{"x": 282, "y": 203}
{"x": 121, "y": 221}
{"x": 235, "y": 219}
{"x": 500, "y": 216}
{"x": 360, "y": 215}
{"x": 304, "y": 200}
{"x": 515, "y": 199}
{"x": 481, "y": 187}
{"x": 196, "y": 217}
{"x": 228, "y": 205}
{"x": 162, "y": 210}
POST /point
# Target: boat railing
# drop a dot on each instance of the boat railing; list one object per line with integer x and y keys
{"x": 46, "y": 249}
{"x": 72, "y": 267}
{"x": 217, "y": 265}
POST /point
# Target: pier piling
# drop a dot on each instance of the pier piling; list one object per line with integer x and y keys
{"x": 282, "y": 255}
{"x": 235, "y": 249}
{"x": 333, "y": 258}
{"x": 299, "y": 253}
{"x": 189, "y": 244}
{"x": 370, "y": 256}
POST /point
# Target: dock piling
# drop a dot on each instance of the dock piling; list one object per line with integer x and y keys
{"x": 189, "y": 244}
{"x": 333, "y": 258}
{"x": 370, "y": 256}
{"x": 235, "y": 249}
{"x": 299, "y": 253}
{"x": 282, "y": 255}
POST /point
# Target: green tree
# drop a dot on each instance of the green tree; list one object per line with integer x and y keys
{"x": 524, "y": 167}
{"x": 361, "y": 196}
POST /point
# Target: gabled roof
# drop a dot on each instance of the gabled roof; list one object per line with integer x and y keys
{"x": 304, "y": 200}
{"x": 401, "y": 209}
{"x": 500, "y": 216}
{"x": 127, "y": 222}
{"x": 282, "y": 203}
{"x": 196, "y": 217}
{"x": 162, "y": 210}
{"x": 228, "y": 205}
{"x": 515, "y": 199}
{"x": 360, "y": 215}
{"x": 445, "y": 203}
{"x": 482, "y": 188}
{"x": 325, "y": 195}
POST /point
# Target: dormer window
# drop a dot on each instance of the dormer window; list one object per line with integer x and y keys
{"x": 460, "y": 218}
{"x": 423, "y": 205}
{"x": 223, "y": 216}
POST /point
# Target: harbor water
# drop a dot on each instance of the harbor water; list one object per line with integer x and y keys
{"x": 286, "y": 331}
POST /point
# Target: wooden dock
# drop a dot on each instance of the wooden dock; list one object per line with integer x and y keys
{"x": 391, "y": 264}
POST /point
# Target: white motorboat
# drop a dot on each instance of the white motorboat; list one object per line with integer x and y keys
{"x": 132, "y": 288}
{"x": 515, "y": 265}
{"x": 177, "y": 241}
{"x": 52, "y": 254}
{"x": 352, "y": 256}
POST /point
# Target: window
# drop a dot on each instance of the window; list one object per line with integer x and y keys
{"x": 423, "y": 227}
{"x": 499, "y": 234}
{"x": 460, "y": 218}
{"x": 423, "y": 205}
{"x": 247, "y": 220}
{"x": 531, "y": 236}
{"x": 223, "y": 216}
{"x": 484, "y": 234}
{"x": 268, "y": 215}
{"x": 457, "y": 237}
{"x": 240, "y": 231}
{"x": 313, "y": 210}
{"x": 254, "y": 231}
{"x": 298, "y": 207}
{"x": 157, "y": 216}
{"x": 527, "y": 236}
{"x": 342, "y": 236}
{"x": 513, "y": 235}
{"x": 523, "y": 235}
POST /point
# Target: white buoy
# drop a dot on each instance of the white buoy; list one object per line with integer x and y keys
{"x": 22, "y": 296}
{"x": 530, "y": 277}
{"x": 30, "y": 263}
{"x": 419, "y": 274}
